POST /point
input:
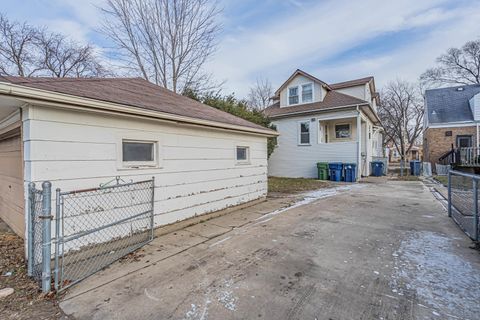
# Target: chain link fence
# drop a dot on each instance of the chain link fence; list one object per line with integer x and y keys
{"x": 463, "y": 201}
{"x": 93, "y": 228}
{"x": 35, "y": 233}
{"x": 96, "y": 227}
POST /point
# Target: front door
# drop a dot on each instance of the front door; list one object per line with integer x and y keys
{"x": 464, "y": 141}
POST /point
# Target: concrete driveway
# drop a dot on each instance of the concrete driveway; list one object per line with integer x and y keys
{"x": 383, "y": 250}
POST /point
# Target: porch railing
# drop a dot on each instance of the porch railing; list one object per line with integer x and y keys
{"x": 462, "y": 157}
{"x": 470, "y": 156}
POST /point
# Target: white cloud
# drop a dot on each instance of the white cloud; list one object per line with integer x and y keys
{"x": 413, "y": 59}
{"x": 326, "y": 30}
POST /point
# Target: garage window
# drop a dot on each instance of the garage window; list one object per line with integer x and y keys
{"x": 242, "y": 154}
{"x": 138, "y": 153}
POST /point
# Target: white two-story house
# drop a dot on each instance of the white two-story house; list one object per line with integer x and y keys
{"x": 320, "y": 122}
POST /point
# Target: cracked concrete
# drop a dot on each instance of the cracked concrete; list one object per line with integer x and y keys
{"x": 379, "y": 251}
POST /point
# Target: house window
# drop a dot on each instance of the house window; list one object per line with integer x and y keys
{"x": 293, "y": 95}
{"x": 307, "y": 92}
{"x": 138, "y": 153}
{"x": 464, "y": 141}
{"x": 342, "y": 131}
{"x": 304, "y": 132}
{"x": 242, "y": 154}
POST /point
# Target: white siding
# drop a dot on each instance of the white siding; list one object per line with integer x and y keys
{"x": 292, "y": 160}
{"x": 357, "y": 92}
{"x": 197, "y": 174}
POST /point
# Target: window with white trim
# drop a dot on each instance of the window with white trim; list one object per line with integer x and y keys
{"x": 342, "y": 131}
{"x": 304, "y": 132}
{"x": 307, "y": 92}
{"x": 242, "y": 154}
{"x": 137, "y": 153}
{"x": 293, "y": 95}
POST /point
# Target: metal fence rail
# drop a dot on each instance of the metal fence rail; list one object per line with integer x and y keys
{"x": 463, "y": 201}
{"x": 96, "y": 227}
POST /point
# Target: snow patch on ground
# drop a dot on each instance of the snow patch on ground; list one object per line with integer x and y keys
{"x": 426, "y": 265}
{"x": 226, "y": 297}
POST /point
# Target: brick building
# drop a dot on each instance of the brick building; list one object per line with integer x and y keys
{"x": 452, "y": 118}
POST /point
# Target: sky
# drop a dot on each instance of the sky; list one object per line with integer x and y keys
{"x": 334, "y": 40}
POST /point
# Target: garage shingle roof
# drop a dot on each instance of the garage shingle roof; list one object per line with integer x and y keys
{"x": 451, "y": 104}
{"x": 332, "y": 99}
{"x": 132, "y": 92}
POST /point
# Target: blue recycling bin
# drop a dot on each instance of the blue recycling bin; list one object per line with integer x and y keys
{"x": 335, "y": 169}
{"x": 415, "y": 167}
{"x": 377, "y": 168}
{"x": 350, "y": 170}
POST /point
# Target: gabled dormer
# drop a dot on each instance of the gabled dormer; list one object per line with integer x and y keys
{"x": 363, "y": 88}
{"x": 301, "y": 88}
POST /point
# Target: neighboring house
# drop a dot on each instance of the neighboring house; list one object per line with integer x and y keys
{"x": 74, "y": 132}
{"x": 415, "y": 153}
{"x": 452, "y": 117}
{"x": 320, "y": 122}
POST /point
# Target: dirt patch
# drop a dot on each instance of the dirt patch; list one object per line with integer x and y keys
{"x": 27, "y": 301}
{"x": 405, "y": 178}
{"x": 295, "y": 185}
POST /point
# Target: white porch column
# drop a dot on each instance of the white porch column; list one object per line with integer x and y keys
{"x": 359, "y": 144}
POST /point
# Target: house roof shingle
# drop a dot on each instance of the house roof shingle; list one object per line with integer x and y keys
{"x": 132, "y": 92}
{"x": 350, "y": 83}
{"x": 451, "y": 104}
{"x": 332, "y": 99}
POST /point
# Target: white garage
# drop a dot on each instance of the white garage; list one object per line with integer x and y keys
{"x": 11, "y": 171}
{"x": 80, "y": 133}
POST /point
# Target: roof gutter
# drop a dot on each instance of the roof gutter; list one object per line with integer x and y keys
{"x": 67, "y": 100}
{"x": 357, "y": 106}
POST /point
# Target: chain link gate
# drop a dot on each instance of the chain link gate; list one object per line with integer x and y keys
{"x": 96, "y": 227}
{"x": 39, "y": 236}
{"x": 93, "y": 228}
{"x": 463, "y": 201}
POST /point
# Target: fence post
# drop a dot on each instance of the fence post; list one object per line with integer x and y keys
{"x": 449, "y": 193}
{"x": 153, "y": 208}
{"x": 30, "y": 221}
{"x": 475, "y": 209}
{"x": 57, "y": 236}
{"x": 46, "y": 235}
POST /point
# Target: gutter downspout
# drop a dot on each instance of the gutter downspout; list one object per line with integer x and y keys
{"x": 359, "y": 133}
{"x": 478, "y": 138}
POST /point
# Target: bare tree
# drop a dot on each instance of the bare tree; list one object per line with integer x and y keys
{"x": 61, "y": 57}
{"x": 166, "y": 42}
{"x": 401, "y": 112}
{"x": 31, "y": 51}
{"x": 260, "y": 94}
{"x": 456, "y": 66}
{"x": 17, "y": 48}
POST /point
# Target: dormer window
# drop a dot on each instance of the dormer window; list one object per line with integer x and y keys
{"x": 307, "y": 92}
{"x": 293, "y": 95}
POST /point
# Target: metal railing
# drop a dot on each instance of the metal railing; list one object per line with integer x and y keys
{"x": 93, "y": 228}
{"x": 463, "y": 201}
{"x": 469, "y": 156}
